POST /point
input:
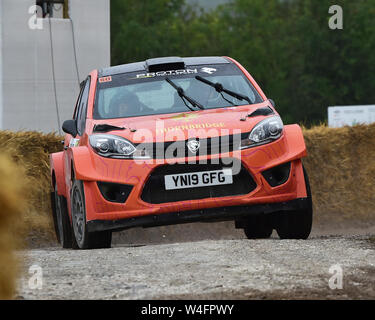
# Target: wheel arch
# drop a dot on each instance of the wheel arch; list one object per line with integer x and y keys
{"x": 295, "y": 141}
{"x": 82, "y": 166}
{"x": 57, "y": 172}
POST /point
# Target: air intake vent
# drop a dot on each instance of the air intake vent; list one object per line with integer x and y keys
{"x": 165, "y": 64}
{"x": 278, "y": 175}
{"x": 115, "y": 192}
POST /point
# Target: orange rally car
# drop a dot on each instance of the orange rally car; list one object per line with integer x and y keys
{"x": 177, "y": 140}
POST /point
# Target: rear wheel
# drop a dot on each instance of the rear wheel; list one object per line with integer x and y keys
{"x": 82, "y": 238}
{"x": 62, "y": 223}
{"x": 258, "y": 227}
{"x": 297, "y": 224}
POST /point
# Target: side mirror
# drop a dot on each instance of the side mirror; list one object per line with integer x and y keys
{"x": 70, "y": 126}
{"x": 272, "y": 102}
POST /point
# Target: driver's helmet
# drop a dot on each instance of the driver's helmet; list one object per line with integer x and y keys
{"x": 124, "y": 104}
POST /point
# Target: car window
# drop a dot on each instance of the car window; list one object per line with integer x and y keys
{"x": 82, "y": 109}
{"x": 82, "y": 87}
{"x": 137, "y": 93}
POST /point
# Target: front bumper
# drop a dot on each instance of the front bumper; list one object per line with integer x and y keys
{"x": 203, "y": 215}
{"x": 91, "y": 169}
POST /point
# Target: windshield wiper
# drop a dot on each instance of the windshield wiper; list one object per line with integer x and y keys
{"x": 219, "y": 88}
{"x": 183, "y": 96}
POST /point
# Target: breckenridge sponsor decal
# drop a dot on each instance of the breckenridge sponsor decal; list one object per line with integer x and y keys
{"x": 203, "y": 125}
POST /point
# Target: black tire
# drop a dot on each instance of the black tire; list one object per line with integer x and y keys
{"x": 258, "y": 227}
{"x": 82, "y": 239}
{"x": 297, "y": 224}
{"x": 61, "y": 220}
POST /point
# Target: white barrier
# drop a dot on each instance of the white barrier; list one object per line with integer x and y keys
{"x": 339, "y": 116}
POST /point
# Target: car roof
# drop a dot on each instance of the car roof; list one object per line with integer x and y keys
{"x": 142, "y": 66}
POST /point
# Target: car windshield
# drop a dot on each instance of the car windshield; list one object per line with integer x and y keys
{"x": 139, "y": 93}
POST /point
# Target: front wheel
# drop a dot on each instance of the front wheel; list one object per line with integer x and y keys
{"x": 62, "y": 221}
{"x": 258, "y": 227}
{"x": 297, "y": 224}
{"x": 83, "y": 239}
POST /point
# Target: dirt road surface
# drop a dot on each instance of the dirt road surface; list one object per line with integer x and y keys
{"x": 234, "y": 268}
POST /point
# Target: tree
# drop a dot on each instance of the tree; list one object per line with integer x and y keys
{"x": 286, "y": 45}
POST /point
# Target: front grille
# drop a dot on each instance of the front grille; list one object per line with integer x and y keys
{"x": 154, "y": 190}
{"x": 179, "y": 149}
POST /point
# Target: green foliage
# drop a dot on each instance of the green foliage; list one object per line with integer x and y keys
{"x": 286, "y": 45}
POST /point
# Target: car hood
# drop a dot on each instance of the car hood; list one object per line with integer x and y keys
{"x": 177, "y": 126}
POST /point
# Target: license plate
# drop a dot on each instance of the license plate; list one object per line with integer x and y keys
{"x": 198, "y": 179}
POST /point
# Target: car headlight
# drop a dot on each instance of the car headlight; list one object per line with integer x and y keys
{"x": 264, "y": 132}
{"x": 112, "y": 146}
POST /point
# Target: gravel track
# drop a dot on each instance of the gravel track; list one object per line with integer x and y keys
{"x": 209, "y": 269}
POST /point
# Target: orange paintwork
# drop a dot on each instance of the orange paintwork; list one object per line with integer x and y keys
{"x": 90, "y": 167}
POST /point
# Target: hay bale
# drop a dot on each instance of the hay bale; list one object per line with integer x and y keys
{"x": 341, "y": 167}
{"x": 30, "y": 150}
{"x": 12, "y": 204}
